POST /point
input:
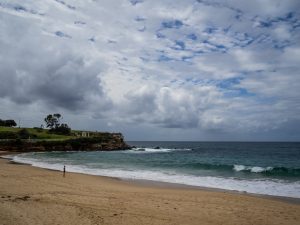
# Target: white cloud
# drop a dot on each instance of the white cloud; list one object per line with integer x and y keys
{"x": 203, "y": 66}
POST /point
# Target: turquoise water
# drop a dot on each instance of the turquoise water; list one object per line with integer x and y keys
{"x": 264, "y": 168}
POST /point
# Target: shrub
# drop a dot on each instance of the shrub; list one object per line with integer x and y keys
{"x": 8, "y": 135}
{"x": 8, "y": 123}
{"x": 62, "y": 129}
{"x": 24, "y": 134}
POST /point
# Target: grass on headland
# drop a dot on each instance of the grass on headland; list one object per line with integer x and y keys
{"x": 38, "y": 133}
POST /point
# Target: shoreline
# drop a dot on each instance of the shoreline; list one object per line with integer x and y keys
{"x": 167, "y": 185}
{"x": 32, "y": 195}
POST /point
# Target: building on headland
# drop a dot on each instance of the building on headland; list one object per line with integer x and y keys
{"x": 82, "y": 134}
{"x": 85, "y": 134}
{"x": 117, "y": 136}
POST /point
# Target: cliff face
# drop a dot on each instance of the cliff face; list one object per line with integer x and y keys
{"x": 104, "y": 142}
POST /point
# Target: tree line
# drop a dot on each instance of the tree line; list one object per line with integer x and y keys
{"x": 8, "y": 123}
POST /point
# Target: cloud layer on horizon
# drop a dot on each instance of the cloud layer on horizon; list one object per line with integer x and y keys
{"x": 194, "y": 67}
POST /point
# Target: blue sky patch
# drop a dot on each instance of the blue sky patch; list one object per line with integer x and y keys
{"x": 228, "y": 83}
{"x": 238, "y": 92}
{"x": 20, "y": 8}
{"x": 65, "y": 4}
{"x": 210, "y": 30}
{"x": 61, "y": 34}
{"x": 192, "y": 36}
{"x": 186, "y": 58}
{"x": 164, "y": 58}
{"x": 179, "y": 45}
{"x": 160, "y": 35}
{"x": 172, "y": 24}
{"x": 231, "y": 89}
{"x": 135, "y": 2}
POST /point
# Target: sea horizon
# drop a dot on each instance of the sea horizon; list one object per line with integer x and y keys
{"x": 254, "y": 141}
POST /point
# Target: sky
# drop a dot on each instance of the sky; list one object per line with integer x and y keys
{"x": 178, "y": 70}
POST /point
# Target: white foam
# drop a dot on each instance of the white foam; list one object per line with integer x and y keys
{"x": 258, "y": 186}
{"x": 155, "y": 150}
{"x": 253, "y": 169}
{"x": 7, "y": 156}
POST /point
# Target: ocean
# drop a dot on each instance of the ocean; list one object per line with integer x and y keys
{"x": 261, "y": 168}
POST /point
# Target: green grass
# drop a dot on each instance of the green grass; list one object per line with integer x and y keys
{"x": 7, "y": 129}
{"x": 42, "y": 134}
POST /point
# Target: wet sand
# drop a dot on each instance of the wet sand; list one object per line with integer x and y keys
{"x": 31, "y": 195}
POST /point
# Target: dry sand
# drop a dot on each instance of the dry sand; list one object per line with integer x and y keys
{"x": 32, "y": 196}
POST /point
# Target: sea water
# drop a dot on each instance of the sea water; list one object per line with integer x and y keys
{"x": 262, "y": 168}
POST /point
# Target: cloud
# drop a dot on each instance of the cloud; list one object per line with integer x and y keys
{"x": 40, "y": 68}
{"x": 221, "y": 68}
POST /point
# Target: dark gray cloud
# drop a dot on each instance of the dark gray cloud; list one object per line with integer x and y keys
{"x": 68, "y": 84}
{"x": 43, "y": 69}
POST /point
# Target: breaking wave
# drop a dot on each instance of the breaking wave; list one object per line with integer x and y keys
{"x": 268, "y": 171}
{"x": 280, "y": 171}
{"x": 155, "y": 150}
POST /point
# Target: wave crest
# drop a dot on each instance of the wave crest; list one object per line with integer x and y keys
{"x": 274, "y": 171}
{"x": 267, "y": 171}
{"x": 253, "y": 169}
{"x": 156, "y": 150}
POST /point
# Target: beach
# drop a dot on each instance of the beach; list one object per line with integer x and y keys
{"x": 30, "y": 195}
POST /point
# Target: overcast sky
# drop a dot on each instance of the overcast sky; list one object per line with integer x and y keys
{"x": 154, "y": 69}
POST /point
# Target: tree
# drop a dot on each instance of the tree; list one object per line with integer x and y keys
{"x": 57, "y": 115}
{"x": 52, "y": 121}
{"x": 10, "y": 123}
{"x": 63, "y": 129}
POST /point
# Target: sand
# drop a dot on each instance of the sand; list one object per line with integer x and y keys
{"x": 38, "y": 196}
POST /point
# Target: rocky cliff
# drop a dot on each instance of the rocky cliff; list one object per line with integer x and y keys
{"x": 104, "y": 142}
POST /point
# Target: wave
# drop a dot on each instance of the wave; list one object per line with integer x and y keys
{"x": 280, "y": 171}
{"x": 253, "y": 169}
{"x": 259, "y": 186}
{"x": 268, "y": 170}
{"x": 155, "y": 150}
